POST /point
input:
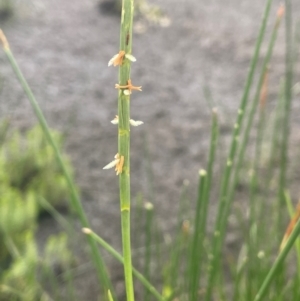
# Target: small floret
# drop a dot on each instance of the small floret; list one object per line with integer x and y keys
{"x": 117, "y": 59}
{"x": 135, "y": 122}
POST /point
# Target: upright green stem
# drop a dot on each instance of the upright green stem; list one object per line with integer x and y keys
{"x": 124, "y": 142}
{"x": 225, "y": 201}
{"x": 148, "y": 242}
{"x": 288, "y": 98}
{"x": 117, "y": 256}
{"x": 197, "y": 241}
{"x": 278, "y": 262}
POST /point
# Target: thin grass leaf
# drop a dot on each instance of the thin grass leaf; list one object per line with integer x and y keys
{"x": 75, "y": 200}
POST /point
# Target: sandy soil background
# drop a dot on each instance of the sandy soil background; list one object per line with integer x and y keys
{"x": 63, "y": 48}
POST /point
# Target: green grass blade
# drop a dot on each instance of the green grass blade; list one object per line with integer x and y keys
{"x": 75, "y": 200}
{"x": 225, "y": 202}
{"x": 124, "y": 141}
{"x": 197, "y": 241}
{"x": 148, "y": 245}
{"x": 255, "y": 104}
{"x": 278, "y": 263}
{"x": 288, "y": 100}
{"x": 117, "y": 256}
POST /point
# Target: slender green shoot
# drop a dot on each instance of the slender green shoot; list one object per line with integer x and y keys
{"x": 225, "y": 201}
{"x": 197, "y": 241}
{"x": 263, "y": 74}
{"x": 75, "y": 200}
{"x": 288, "y": 99}
{"x": 66, "y": 224}
{"x": 210, "y": 166}
{"x": 148, "y": 245}
{"x": 121, "y": 259}
{"x": 125, "y": 87}
{"x": 294, "y": 212}
{"x": 278, "y": 262}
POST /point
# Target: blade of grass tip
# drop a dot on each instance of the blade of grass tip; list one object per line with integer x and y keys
{"x": 118, "y": 257}
{"x": 197, "y": 241}
{"x": 278, "y": 262}
{"x": 75, "y": 200}
{"x": 225, "y": 202}
{"x": 110, "y": 297}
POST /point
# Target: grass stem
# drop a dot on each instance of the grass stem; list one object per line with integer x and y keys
{"x": 75, "y": 200}
{"x": 124, "y": 141}
{"x": 225, "y": 201}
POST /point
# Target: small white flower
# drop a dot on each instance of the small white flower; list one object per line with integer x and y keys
{"x": 115, "y": 120}
{"x": 135, "y": 122}
{"x": 130, "y": 57}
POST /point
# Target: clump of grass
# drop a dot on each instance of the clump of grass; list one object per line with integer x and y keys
{"x": 28, "y": 173}
{"x": 195, "y": 266}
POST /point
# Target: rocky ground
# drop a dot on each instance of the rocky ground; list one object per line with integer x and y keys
{"x": 199, "y": 48}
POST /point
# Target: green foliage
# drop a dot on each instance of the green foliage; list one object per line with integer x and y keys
{"x": 29, "y": 164}
{"x": 198, "y": 267}
{"x": 28, "y": 172}
{"x": 19, "y": 280}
